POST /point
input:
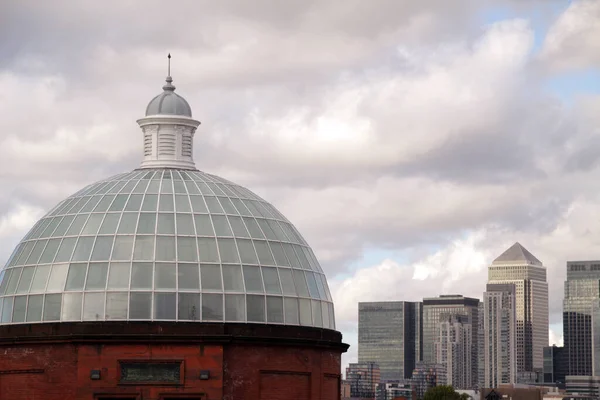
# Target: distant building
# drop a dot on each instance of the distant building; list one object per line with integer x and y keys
{"x": 363, "y": 379}
{"x": 396, "y": 391}
{"x": 555, "y": 365}
{"x": 345, "y": 389}
{"x": 428, "y": 375}
{"x": 453, "y": 348}
{"x": 389, "y": 334}
{"x": 588, "y": 386}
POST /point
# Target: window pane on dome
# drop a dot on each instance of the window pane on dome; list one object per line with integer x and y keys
{"x": 128, "y": 187}
{"x": 320, "y": 287}
{"x": 305, "y": 312}
{"x": 312, "y": 285}
{"x": 186, "y": 249}
{"x": 247, "y": 251}
{"x": 166, "y": 185}
{"x": 164, "y": 306}
{"x": 253, "y": 279}
{"x": 78, "y": 205}
{"x": 215, "y": 189}
{"x": 271, "y": 280}
{"x": 287, "y": 282}
{"x": 300, "y": 283}
{"x": 119, "y": 203}
{"x": 25, "y": 281}
{"x": 235, "y": 307}
{"x": 191, "y": 187}
{"x": 302, "y": 257}
{"x": 51, "y": 227}
{"x": 189, "y": 307}
{"x": 92, "y": 225}
{"x": 13, "y": 281}
{"x": 266, "y": 228}
{"x": 144, "y": 248}
{"x": 228, "y": 251}
{"x": 188, "y": 276}
{"x": 256, "y": 308}
{"x": 134, "y": 203}
{"x": 102, "y": 248}
{"x": 150, "y": 202}
{"x": 179, "y": 188}
{"x": 116, "y": 305}
{"x": 65, "y": 251}
{"x": 140, "y": 305}
{"x": 203, "y": 225}
{"x": 128, "y": 223}
{"x": 40, "y": 228}
{"x": 104, "y": 203}
{"x": 39, "y": 279}
{"x": 15, "y": 255}
{"x": 141, "y": 186}
{"x": 93, "y": 306}
{"x": 154, "y": 186}
{"x": 227, "y": 205}
{"x": 165, "y": 248}
{"x": 83, "y": 249}
{"x": 264, "y": 253}
{"x": 316, "y": 312}
{"x": 36, "y": 252}
{"x": 116, "y": 188}
{"x": 198, "y": 204}
{"x": 221, "y": 225}
{"x": 26, "y": 252}
{"x": 275, "y": 309}
{"x": 141, "y": 276}
{"x": 182, "y": 204}
{"x": 166, "y": 203}
{"x": 331, "y": 316}
{"x": 118, "y": 276}
{"x": 242, "y": 210}
{"x": 207, "y": 249}
{"x": 253, "y": 228}
{"x": 239, "y": 229}
{"x": 4, "y": 278}
{"x": 291, "y": 311}
{"x": 203, "y": 187}
{"x": 19, "y": 307}
{"x": 232, "y": 278}
{"x": 34, "y": 308}
{"x": 58, "y": 277}
{"x": 147, "y": 223}
{"x": 7, "y": 308}
{"x": 76, "y": 276}
{"x": 212, "y": 307}
{"x": 279, "y": 253}
{"x": 49, "y": 251}
{"x": 52, "y": 303}
{"x": 90, "y": 205}
{"x": 213, "y": 205}
{"x": 123, "y": 248}
{"x": 185, "y": 224}
{"x": 325, "y": 287}
{"x": 325, "y": 314}
{"x": 210, "y": 277}
{"x": 71, "y": 308}
{"x": 291, "y": 255}
{"x": 109, "y": 225}
{"x": 96, "y": 278}
{"x": 164, "y": 276}
{"x": 166, "y": 223}
{"x": 62, "y": 227}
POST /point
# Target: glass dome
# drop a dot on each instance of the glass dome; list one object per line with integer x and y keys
{"x": 165, "y": 244}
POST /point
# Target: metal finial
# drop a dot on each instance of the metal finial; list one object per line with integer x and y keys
{"x": 169, "y": 85}
{"x": 169, "y": 70}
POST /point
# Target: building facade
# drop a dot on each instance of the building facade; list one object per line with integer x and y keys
{"x": 519, "y": 267}
{"x": 498, "y": 358}
{"x": 453, "y": 348}
{"x": 582, "y": 289}
{"x": 389, "y": 334}
{"x": 363, "y": 379}
{"x": 428, "y": 375}
{"x": 555, "y": 365}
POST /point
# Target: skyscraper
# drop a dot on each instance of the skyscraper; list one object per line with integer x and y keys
{"x": 453, "y": 349}
{"x": 436, "y": 308}
{"x": 582, "y": 288}
{"x": 389, "y": 334}
{"x": 519, "y": 267}
{"x": 498, "y": 361}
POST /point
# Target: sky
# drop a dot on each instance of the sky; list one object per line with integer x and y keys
{"x": 410, "y": 142}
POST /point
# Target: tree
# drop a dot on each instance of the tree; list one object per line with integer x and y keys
{"x": 444, "y": 393}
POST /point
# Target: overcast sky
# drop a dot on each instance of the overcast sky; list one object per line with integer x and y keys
{"x": 411, "y": 142}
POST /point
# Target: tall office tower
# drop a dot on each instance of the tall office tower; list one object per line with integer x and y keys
{"x": 519, "y": 267}
{"x": 582, "y": 288}
{"x": 499, "y": 358}
{"x": 453, "y": 349}
{"x": 389, "y": 334}
{"x": 555, "y": 365}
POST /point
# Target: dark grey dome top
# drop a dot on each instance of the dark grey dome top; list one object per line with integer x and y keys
{"x": 169, "y": 103}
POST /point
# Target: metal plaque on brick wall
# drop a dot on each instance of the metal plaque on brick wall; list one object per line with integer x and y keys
{"x": 148, "y": 372}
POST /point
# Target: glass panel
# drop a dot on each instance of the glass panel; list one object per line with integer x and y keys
{"x": 96, "y": 278}
{"x": 212, "y": 307}
{"x": 287, "y": 282}
{"x": 104, "y": 203}
{"x": 13, "y": 281}
{"x": 316, "y": 311}
{"x": 150, "y": 202}
{"x": 144, "y": 248}
{"x": 227, "y": 206}
{"x": 239, "y": 229}
{"x": 83, "y": 249}
{"x": 165, "y": 248}
{"x": 253, "y": 279}
{"x": 279, "y": 253}
{"x": 188, "y": 276}
{"x": 76, "y": 277}
{"x": 186, "y": 249}
{"x": 210, "y": 276}
{"x": 90, "y": 205}
{"x": 253, "y": 228}
{"x": 166, "y": 203}
{"x": 25, "y": 281}
{"x": 312, "y": 285}
{"x": 300, "y": 282}
{"x": 58, "y": 276}
{"x": 240, "y": 207}
{"x": 291, "y": 255}
{"x": 118, "y": 277}
{"x": 247, "y": 252}
{"x": 109, "y": 225}
{"x": 256, "y": 308}
{"x": 4, "y": 278}
{"x": 164, "y": 276}
{"x": 275, "y": 309}
{"x": 303, "y": 260}
{"x": 165, "y": 305}
{"x": 141, "y": 186}
{"x": 325, "y": 314}
{"x": 191, "y": 187}
{"x": 7, "y": 308}
{"x": 305, "y": 313}
{"x": 52, "y": 303}
{"x": 49, "y": 251}
{"x": 93, "y": 306}
{"x": 15, "y": 255}
{"x": 167, "y": 185}
{"x": 36, "y": 252}
{"x": 182, "y": 203}
{"x": 77, "y": 224}
{"x": 331, "y": 316}
{"x": 140, "y": 305}
{"x": 128, "y": 187}
{"x": 39, "y": 279}
{"x": 213, "y": 205}
{"x": 189, "y": 306}
{"x": 141, "y": 276}
{"x": 25, "y": 254}
{"x": 128, "y": 223}
{"x": 19, "y": 308}
{"x": 203, "y": 225}
{"x": 198, "y": 204}
{"x": 264, "y": 254}
{"x": 102, "y": 248}
{"x": 153, "y": 186}
{"x": 207, "y": 248}
{"x": 322, "y": 295}
{"x": 271, "y": 280}
{"x": 116, "y": 305}
{"x": 235, "y": 307}
{"x": 123, "y": 248}
{"x": 232, "y": 278}
{"x": 134, "y": 203}
{"x": 291, "y": 311}
{"x": 34, "y": 308}
{"x": 71, "y": 308}
{"x": 326, "y": 288}
{"x": 166, "y": 223}
{"x": 185, "y": 224}
{"x": 179, "y": 188}
{"x": 221, "y": 225}
{"x": 267, "y": 229}
{"x": 147, "y": 223}
{"x": 119, "y": 203}
{"x": 228, "y": 251}
{"x": 277, "y": 230}
{"x": 63, "y": 226}
{"x": 65, "y": 250}
{"x": 93, "y": 224}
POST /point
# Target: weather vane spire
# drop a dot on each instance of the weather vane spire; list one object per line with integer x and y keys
{"x": 169, "y": 68}
{"x": 169, "y": 80}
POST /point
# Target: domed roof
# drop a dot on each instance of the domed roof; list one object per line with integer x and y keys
{"x": 169, "y": 102}
{"x": 165, "y": 244}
